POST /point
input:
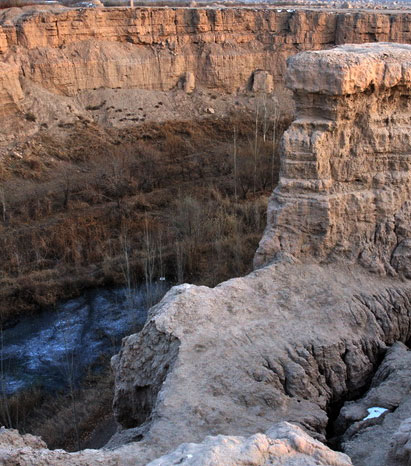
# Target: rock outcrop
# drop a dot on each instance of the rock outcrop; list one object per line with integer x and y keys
{"x": 262, "y": 81}
{"x": 291, "y": 339}
{"x": 280, "y": 344}
{"x": 283, "y": 445}
{"x": 390, "y": 390}
{"x": 68, "y": 51}
{"x": 345, "y": 187}
{"x": 400, "y": 452}
{"x": 294, "y": 338}
{"x": 11, "y": 94}
{"x": 28, "y": 450}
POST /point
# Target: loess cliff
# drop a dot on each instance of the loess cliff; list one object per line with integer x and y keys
{"x": 67, "y": 51}
{"x": 295, "y": 339}
{"x": 345, "y": 189}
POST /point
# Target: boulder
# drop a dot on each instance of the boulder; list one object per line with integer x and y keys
{"x": 284, "y": 444}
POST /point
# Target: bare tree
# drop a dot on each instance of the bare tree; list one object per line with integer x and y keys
{"x": 255, "y": 146}
{"x": 275, "y": 119}
{"x": 235, "y": 161}
{"x": 3, "y": 204}
{"x": 5, "y": 411}
{"x": 126, "y": 265}
{"x": 149, "y": 263}
{"x": 180, "y": 262}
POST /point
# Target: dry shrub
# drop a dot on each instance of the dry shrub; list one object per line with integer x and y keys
{"x": 50, "y": 416}
{"x": 16, "y": 3}
{"x": 15, "y": 410}
{"x": 64, "y": 228}
{"x": 161, "y": 201}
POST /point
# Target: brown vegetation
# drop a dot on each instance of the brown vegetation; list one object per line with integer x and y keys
{"x": 51, "y": 415}
{"x": 16, "y": 3}
{"x": 72, "y": 209}
{"x": 185, "y": 200}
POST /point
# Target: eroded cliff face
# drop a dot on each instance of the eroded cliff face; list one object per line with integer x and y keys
{"x": 291, "y": 339}
{"x": 67, "y": 51}
{"x": 345, "y": 187}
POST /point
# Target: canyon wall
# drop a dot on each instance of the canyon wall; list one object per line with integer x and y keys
{"x": 345, "y": 185}
{"x": 68, "y": 50}
{"x": 294, "y": 339}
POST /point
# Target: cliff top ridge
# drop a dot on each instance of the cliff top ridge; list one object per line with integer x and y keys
{"x": 351, "y": 68}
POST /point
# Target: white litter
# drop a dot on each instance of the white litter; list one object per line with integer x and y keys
{"x": 374, "y": 412}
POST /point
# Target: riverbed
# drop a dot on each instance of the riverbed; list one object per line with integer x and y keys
{"x": 53, "y": 349}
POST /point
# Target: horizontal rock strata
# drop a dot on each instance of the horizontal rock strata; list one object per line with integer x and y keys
{"x": 294, "y": 338}
{"x": 345, "y": 187}
{"x": 68, "y": 51}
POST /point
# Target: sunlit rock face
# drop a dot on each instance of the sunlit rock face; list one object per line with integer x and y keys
{"x": 345, "y": 187}
{"x": 67, "y": 51}
{"x": 283, "y": 444}
{"x": 293, "y": 338}
{"x": 290, "y": 339}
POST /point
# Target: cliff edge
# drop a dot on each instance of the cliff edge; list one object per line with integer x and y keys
{"x": 295, "y": 339}
{"x": 345, "y": 187}
{"x": 68, "y": 51}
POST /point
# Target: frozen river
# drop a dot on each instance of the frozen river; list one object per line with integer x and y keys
{"x": 54, "y": 348}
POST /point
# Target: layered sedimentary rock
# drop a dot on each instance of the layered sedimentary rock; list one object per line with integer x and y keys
{"x": 345, "y": 188}
{"x": 11, "y": 94}
{"x": 295, "y": 338}
{"x": 67, "y": 51}
{"x": 291, "y": 339}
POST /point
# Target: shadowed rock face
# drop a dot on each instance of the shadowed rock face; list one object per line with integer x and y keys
{"x": 287, "y": 341}
{"x": 345, "y": 187}
{"x": 67, "y": 51}
{"x": 390, "y": 390}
